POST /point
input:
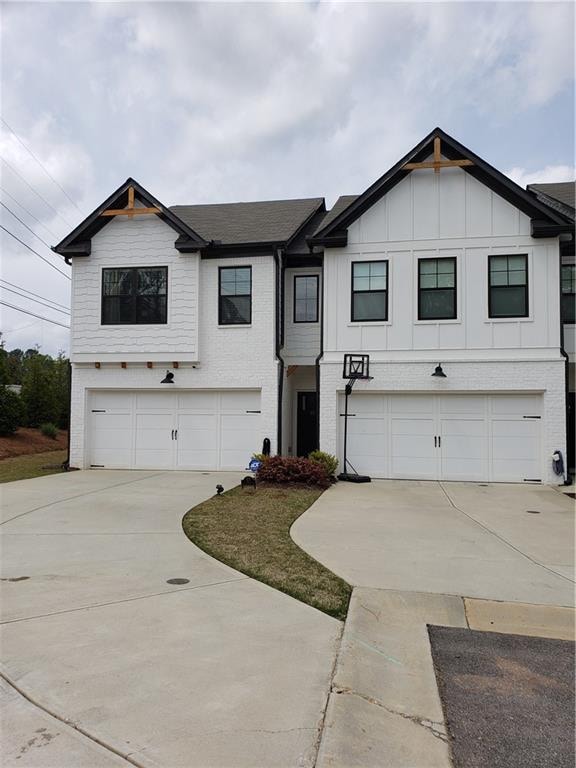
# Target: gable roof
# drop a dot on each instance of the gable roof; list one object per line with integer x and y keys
{"x": 78, "y": 242}
{"x": 260, "y": 222}
{"x": 559, "y": 196}
{"x": 545, "y": 221}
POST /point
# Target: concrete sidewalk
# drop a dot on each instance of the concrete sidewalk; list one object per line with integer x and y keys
{"x": 220, "y": 671}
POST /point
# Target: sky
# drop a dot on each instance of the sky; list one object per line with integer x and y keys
{"x": 220, "y": 102}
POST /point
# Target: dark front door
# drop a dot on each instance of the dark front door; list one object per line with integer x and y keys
{"x": 307, "y": 423}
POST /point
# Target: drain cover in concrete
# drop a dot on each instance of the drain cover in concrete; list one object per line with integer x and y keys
{"x": 178, "y": 581}
{"x": 508, "y": 699}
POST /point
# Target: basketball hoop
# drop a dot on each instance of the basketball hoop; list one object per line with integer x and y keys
{"x": 356, "y": 368}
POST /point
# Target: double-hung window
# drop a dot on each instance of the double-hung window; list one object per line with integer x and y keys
{"x": 437, "y": 289}
{"x": 235, "y": 296}
{"x": 369, "y": 291}
{"x": 305, "y": 298}
{"x": 568, "y": 290}
{"x": 508, "y": 286}
{"x": 134, "y": 295}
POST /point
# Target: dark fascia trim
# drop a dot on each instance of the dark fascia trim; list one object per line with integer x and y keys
{"x": 452, "y": 149}
{"x": 75, "y": 243}
{"x": 304, "y": 260}
{"x": 337, "y": 239}
{"x": 320, "y": 207}
{"x": 539, "y": 228}
{"x": 227, "y": 251}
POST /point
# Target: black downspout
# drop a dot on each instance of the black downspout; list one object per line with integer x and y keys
{"x": 564, "y": 354}
{"x": 317, "y": 363}
{"x": 279, "y": 291}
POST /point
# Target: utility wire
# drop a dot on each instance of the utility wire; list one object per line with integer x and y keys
{"x": 37, "y": 301}
{"x": 29, "y": 213}
{"x": 33, "y": 251}
{"x": 38, "y": 296}
{"x": 46, "y": 171}
{"x": 26, "y": 312}
{"x": 24, "y": 224}
{"x": 33, "y": 190}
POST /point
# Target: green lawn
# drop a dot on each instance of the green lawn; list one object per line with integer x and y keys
{"x": 32, "y": 465}
{"x": 250, "y": 531}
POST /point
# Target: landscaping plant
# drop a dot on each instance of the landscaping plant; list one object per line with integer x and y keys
{"x": 329, "y": 462}
{"x": 11, "y": 411}
{"x": 49, "y": 430}
{"x": 285, "y": 470}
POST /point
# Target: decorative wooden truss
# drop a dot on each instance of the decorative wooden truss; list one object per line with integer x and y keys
{"x": 437, "y": 163}
{"x": 131, "y": 210}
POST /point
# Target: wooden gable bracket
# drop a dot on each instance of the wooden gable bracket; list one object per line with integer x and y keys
{"x": 437, "y": 163}
{"x": 291, "y": 369}
{"x": 130, "y": 210}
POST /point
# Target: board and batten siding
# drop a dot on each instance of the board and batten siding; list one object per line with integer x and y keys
{"x": 301, "y": 340}
{"x": 139, "y": 242}
{"x": 449, "y": 214}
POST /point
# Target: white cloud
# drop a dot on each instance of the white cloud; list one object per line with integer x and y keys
{"x": 547, "y": 175}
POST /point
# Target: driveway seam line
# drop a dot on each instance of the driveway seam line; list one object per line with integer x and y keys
{"x": 500, "y": 538}
{"x": 125, "y": 600}
{"x": 70, "y": 723}
{"x": 79, "y": 495}
{"x": 322, "y": 722}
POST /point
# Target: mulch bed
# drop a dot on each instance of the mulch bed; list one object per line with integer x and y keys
{"x": 508, "y": 699}
{"x": 27, "y": 441}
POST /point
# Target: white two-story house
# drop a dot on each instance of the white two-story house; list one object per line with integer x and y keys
{"x": 198, "y": 331}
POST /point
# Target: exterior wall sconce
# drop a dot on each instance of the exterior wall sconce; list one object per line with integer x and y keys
{"x": 439, "y": 372}
{"x": 168, "y": 379}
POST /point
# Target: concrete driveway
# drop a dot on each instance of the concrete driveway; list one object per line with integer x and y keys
{"x": 105, "y": 663}
{"x": 466, "y": 539}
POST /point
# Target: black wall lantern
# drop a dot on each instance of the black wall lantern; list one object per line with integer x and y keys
{"x": 439, "y": 372}
{"x": 168, "y": 379}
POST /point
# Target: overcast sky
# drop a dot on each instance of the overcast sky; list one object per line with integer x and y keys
{"x": 214, "y": 102}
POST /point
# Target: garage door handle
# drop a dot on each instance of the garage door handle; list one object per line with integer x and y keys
{"x": 435, "y": 442}
{"x": 176, "y": 434}
{"x": 439, "y": 442}
{"x": 172, "y": 434}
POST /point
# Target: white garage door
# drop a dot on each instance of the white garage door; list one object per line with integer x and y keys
{"x": 450, "y": 437}
{"x": 203, "y": 429}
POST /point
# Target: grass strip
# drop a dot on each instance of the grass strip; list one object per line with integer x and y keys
{"x": 250, "y": 531}
{"x": 31, "y": 465}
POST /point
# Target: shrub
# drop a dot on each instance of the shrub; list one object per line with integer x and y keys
{"x": 329, "y": 462}
{"x": 49, "y": 430}
{"x": 283, "y": 470}
{"x": 11, "y": 411}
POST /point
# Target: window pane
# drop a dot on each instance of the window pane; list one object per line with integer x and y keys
{"x": 361, "y": 283}
{"x": 428, "y": 281}
{"x": 369, "y": 306}
{"x": 117, "y": 310}
{"x": 508, "y": 301}
{"x": 151, "y": 309}
{"x": 361, "y": 270}
{"x": 234, "y": 310}
{"x": 305, "y": 311}
{"x": 446, "y": 281}
{"x": 306, "y": 298}
{"x": 242, "y": 287}
{"x": 499, "y": 264}
{"x": 568, "y": 308}
{"x": 151, "y": 281}
{"x": 516, "y": 262}
{"x": 428, "y": 266}
{"x": 499, "y": 278}
{"x": 446, "y": 266}
{"x": 437, "y": 305}
{"x": 117, "y": 282}
{"x": 235, "y": 281}
{"x": 568, "y": 278}
{"x": 378, "y": 269}
{"x": 378, "y": 283}
{"x": 517, "y": 277}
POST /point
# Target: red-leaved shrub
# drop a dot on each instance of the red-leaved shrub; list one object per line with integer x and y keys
{"x": 283, "y": 470}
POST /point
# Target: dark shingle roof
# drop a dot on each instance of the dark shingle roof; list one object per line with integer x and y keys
{"x": 271, "y": 221}
{"x": 564, "y": 192}
{"x": 340, "y": 205}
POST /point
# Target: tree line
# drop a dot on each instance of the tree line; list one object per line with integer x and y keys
{"x": 45, "y": 389}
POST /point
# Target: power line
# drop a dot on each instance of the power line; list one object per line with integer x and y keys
{"x": 24, "y": 224}
{"x": 26, "y": 312}
{"x": 37, "y": 301}
{"x": 29, "y": 214}
{"x": 33, "y": 251}
{"x": 19, "y": 287}
{"x": 33, "y": 190}
{"x": 46, "y": 171}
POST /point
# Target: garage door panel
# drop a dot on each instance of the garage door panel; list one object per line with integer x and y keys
{"x": 197, "y": 401}
{"x": 366, "y": 405}
{"x": 111, "y": 401}
{"x": 362, "y": 426}
{"x": 418, "y": 427}
{"x": 457, "y": 404}
{"x": 240, "y": 401}
{"x": 522, "y": 405}
{"x": 157, "y": 401}
{"x": 411, "y": 404}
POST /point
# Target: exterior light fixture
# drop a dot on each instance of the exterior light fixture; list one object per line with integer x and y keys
{"x": 439, "y": 372}
{"x": 168, "y": 379}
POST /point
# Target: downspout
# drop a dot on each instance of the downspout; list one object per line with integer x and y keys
{"x": 66, "y": 464}
{"x": 279, "y": 272}
{"x": 564, "y": 354}
{"x": 319, "y": 358}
